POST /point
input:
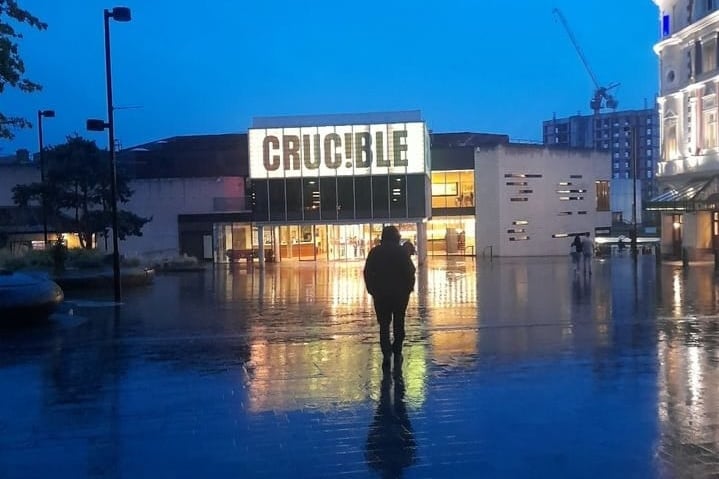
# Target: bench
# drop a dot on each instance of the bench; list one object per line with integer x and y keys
{"x": 235, "y": 255}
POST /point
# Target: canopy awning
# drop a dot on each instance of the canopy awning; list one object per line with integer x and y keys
{"x": 695, "y": 195}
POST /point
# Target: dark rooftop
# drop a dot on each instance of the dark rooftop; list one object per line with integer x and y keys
{"x": 193, "y": 156}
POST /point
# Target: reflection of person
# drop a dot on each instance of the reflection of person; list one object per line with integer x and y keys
{"x": 620, "y": 246}
{"x": 576, "y": 252}
{"x": 391, "y": 446}
{"x": 389, "y": 277}
{"x": 587, "y": 251}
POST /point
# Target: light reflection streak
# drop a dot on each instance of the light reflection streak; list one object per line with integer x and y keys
{"x": 677, "y": 298}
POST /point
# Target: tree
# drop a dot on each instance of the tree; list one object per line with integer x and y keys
{"x": 77, "y": 192}
{"x": 12, "y": 68}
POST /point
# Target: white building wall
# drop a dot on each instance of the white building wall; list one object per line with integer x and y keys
{"x": 487, "y": 201}
{"x": 547, "y": 172}
{"x": 164, "y": 200}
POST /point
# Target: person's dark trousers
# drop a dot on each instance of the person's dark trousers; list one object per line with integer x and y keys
{"x": 391, "y": 309}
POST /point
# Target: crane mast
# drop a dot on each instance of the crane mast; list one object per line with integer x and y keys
{"x": 601, "y": 98}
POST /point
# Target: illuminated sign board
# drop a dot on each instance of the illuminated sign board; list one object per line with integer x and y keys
{"x": 346, "y": 150}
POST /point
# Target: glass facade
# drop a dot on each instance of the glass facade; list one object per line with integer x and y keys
{"x": 452, "y": 189}
{"x": 452, "y": 228}
{"x": 391, "y": 197}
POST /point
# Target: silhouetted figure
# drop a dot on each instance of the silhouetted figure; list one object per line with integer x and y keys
{"x": 389, "y": 277}
{"x": 390, "y": 443}
{"x": 409, "y": 247}
{"x": 620, "y": 245}
{"x": 576, "y": 252}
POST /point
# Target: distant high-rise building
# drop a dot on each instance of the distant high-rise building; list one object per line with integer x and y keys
{"x": 611, "y": 132}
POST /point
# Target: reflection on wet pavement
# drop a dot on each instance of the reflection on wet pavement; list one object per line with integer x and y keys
{"x": 514, "y": 368}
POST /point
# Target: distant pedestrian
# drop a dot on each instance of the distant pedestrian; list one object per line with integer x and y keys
{"x": 587, "y": 253}
{"x": 620, "y": 246}
{"x": 389, "y": 277}
{"x": 576, "y": 252}
{"x": 409, "y": 247}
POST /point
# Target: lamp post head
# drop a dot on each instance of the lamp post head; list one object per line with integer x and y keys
{"x": 120, "y": 14}
{"x": 47, "y": 113}
{"x": 96, "y": 125}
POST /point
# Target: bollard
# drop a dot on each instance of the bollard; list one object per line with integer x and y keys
{"x": 658, "y": 253}
{"x": 685, "y": 257}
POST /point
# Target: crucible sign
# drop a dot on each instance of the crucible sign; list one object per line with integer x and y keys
{"x": 345, "y": 150}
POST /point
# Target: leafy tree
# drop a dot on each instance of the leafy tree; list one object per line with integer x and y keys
{"x": 12, "y": 68}
{"x": 77, "y": 192}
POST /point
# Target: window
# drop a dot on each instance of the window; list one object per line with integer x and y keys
{"x": 626, "y": 154}
{"x": 380, "y": 196}
{"x": 649, "y": 131}
{"x": 345, "y": 197}
{"x": 311, "y": 198}
{"x": 615, "y": 166}
{"x": 666, "y": 26}
{"x": 602, "y": 195}
{"x": 398, "y": 196}
{"x": 363, "y": 196}
{"x": 293, "y": 191}
{"x": 626, "y": 164}
{"x": 626, "y": 175}
{"x": 328, "y": 198}
{"x": 649, "y": 142}
{"x": 709, "y": 55}
{"x": 649, "y": 173}
{"x": 709, "y": 123}
{"x": 277, "y": 199}
{"x": 616, "y": 155}
{"x": 671, "y": 145}
{"x": 616, "y": 144}
{"x": 649, "y": 164}
{"x": 649, "y": 120}
{"x": 649, "y": 152}
{"x": 615, "y": 175}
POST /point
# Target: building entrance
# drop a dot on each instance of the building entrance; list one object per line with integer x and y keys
{"x": 333, "y": 242}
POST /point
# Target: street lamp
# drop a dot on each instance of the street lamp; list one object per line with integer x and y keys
{"x": 634, "y": 132}
{"x": 40, "y": 115}
{"x": 119, "y": 14}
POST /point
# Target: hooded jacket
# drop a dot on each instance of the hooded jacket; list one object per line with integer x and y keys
{"x": 389, "y": 271}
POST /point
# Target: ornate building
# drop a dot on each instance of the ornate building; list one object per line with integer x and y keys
{"x": 688, "y": 170}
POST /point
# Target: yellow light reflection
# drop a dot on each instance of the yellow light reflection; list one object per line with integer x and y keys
{"x": 326, "y": 374}
{"x": 677, "y": 299}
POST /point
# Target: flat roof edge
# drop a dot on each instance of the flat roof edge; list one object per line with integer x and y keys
{"x": 337, "y": 119}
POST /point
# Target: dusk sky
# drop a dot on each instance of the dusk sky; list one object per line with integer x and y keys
{"x": 203, "y": 68}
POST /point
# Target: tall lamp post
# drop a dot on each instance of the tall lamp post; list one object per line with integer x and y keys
{"x": 40, "y": 115}
{"x": 119, "y": 14}
{"x": 634, "y": 131}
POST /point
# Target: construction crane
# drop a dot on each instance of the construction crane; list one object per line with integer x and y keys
{"x": 602, "y": 98}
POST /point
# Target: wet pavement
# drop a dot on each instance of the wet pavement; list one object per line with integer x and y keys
{"x": 513, "y": 368}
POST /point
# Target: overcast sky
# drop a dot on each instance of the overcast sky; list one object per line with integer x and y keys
{"x": 184, "y": 67}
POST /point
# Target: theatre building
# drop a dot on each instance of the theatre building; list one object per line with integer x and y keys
{"x": 323, "y": 187}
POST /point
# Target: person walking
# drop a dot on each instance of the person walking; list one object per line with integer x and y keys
{"x": 576, "y": 252}
{"x": 587, "y": 253}
{"x": 389, "y": 278}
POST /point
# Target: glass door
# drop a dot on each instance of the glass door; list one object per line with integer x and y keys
{"x": 307, "y": 250}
